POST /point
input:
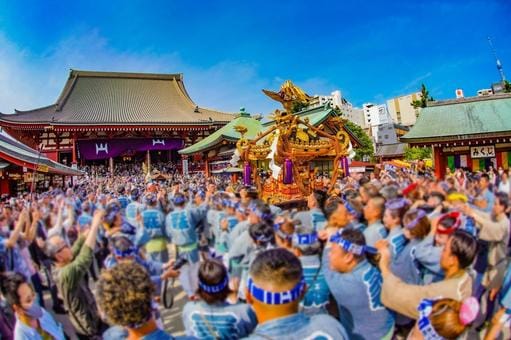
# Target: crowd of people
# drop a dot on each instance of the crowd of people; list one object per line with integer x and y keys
{"x": 394, "y": 255}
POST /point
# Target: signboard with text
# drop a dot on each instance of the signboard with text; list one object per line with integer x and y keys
{"x": 482, "y": 151}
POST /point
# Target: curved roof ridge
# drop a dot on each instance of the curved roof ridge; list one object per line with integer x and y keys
{"x": 32, "y": 110}
{"x": 137, "y": 75}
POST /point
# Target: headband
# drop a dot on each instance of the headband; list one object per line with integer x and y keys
{"x": 179, "y": 199}
{"x": 468, "y": 312}
{"x": 150, "y": 198}
{"x": 229, "y": 204}
{"x": 447, "y": 231}
{"x": 396, "y": 204}
{"x": 240, "y": 208}
{"x": 263, "y": 238}
{"x": 259, "y": 213}
{"x": 201, "y": 194}
{"x": 353, "y": 248}
{"x": 351, "y": 209}
{"x": 425, "y": 327}
{"x": 420, "y": 215}
{"x": 275, "y": 298}
{"x": 212, "y": 289}
{"x": 305, "y": 239}
{"x": 125, "y": 253}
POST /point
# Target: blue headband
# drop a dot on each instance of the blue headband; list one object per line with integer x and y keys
{"x": 398, "y": 203}
{"x": 305, "y": 239}
{"x": 260, "y": 214}
{"x": 240, "y": 208}
{"x": 351, "y": 210}
{"x": 179, "y": 199}
{"x": 420, "y": 214}
{"x": 201, "y": 193}
{"x": 425, "y": 327}
{"x": 263, "y": 238}
{"x": 150, "y": 198}
{"x": 212, "y": 289}
{"x": 229, "y": 204}
{"x": 352, "y": 247}
{"x": 275, "y": 298}
{"x": 128, "y": 252}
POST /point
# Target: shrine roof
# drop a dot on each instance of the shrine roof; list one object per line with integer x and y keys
{"x": 115, "y": 98}
{"x": 18, "y": 153}
{"x": 227, "y": 132}
{"x": 316, "y": 115}
{"x": 463, "y": 118}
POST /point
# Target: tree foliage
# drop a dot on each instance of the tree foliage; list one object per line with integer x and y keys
{"x": 507, "y": 86}
{"x": 413, "y": 154}
{"x": 423, "y": 100}
{"x": 366, "y": 149}
{"x": 298, "y": 106}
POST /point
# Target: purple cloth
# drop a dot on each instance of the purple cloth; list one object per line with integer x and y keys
{"x": 247, "y": 172}
{"x": 288, "y": 171}
{"x": 104, "y": 149}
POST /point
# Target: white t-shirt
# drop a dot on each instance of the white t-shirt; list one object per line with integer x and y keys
{"x": 505, "y": 187}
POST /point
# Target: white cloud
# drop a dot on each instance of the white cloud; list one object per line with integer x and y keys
{"x": 29, "y": 81}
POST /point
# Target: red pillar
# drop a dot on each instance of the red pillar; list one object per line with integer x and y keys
{"x": 4, "y": 186}
{"x": 439, "y": 162}
{"x": 75, "y": 161}
{"x": 206, "y": 167}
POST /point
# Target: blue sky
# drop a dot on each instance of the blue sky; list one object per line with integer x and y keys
{"x": 230, "y": 50}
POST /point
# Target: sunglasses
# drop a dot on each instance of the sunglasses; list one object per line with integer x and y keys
{"x": 61, "y": 248}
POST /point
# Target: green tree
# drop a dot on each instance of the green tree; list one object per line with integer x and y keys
{"x": 423, "y": 100}
{"x": 366, "y": 149}
{"x": 507, "y": 86}
{"x": 413, "y": 154}
{"x": 298, "y": 106}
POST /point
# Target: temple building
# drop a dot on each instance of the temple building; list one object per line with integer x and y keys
{"x": 23, "y": 169}
{"x": 108, "y": 117}
{"x": 471, "y": 133}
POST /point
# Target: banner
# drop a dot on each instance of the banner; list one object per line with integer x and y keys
{"x": 482, "y": 151}
{"x": 104, "y": 149}
{"x": 463, "y": 161}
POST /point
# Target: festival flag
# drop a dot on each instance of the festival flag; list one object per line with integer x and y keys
{"x": 475, "y": 164}
{"x": 450, "y": 162}
{"x": 457, "y": 161}
{"x": 463, "y": 161}
{"x": 505, "y": 159}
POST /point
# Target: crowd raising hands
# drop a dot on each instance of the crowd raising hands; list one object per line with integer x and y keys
{"x": 393, "y": 255}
